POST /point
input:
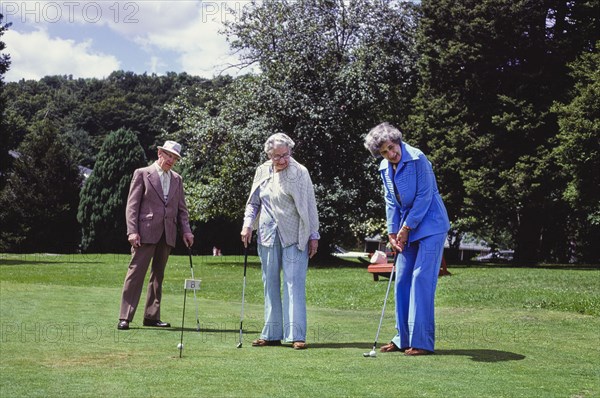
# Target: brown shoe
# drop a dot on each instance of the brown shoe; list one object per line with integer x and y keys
{"x": 390, "y": 347}
{"x": 299, "y": 345}
{"x": 417, "y": 351}
{"x": 264, "y": 343}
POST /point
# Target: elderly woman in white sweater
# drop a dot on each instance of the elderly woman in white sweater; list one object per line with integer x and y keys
{"x": 282, "y": 207}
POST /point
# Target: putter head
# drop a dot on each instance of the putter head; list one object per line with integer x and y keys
{"x": 239, "y": 345}
{"x": 370, "y": 354}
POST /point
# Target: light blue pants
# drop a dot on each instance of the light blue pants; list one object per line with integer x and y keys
{"x": 288, "y": 321}
{"x": 417, "y": 269}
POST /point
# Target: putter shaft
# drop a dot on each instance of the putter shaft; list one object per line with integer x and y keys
{"x": 243, "y": 297}
{"x": 387, "y": 292}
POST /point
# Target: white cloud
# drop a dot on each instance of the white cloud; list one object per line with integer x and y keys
{"x": 123, "y": 16}
{"x": 202, "y": 51}
{"x": 136, "y": 19}
{"x": 35, "y": 55}
{"x": 179, "y": 36}
{"x": 189, "y": 29}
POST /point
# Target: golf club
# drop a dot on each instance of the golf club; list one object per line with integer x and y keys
{"x": 243, "y": 294}
{"x": 180, "y": 345}
{"x": 195, "y": 298}
{"x": 373, "y": 353}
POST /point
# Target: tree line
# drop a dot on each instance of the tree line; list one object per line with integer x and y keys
{"x": 501, "y": 95}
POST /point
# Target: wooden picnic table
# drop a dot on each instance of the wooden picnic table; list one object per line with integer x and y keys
{"x": 386, "y": 269}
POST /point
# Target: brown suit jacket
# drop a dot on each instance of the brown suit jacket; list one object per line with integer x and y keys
{"x": 148, "y": 214}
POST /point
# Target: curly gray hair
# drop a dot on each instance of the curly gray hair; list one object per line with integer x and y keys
{"x": 278, "y": 139}
{"x": 379, "y": 135}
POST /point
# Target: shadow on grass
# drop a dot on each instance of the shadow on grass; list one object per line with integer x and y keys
{"x": 475, "y": 354}
{"x": 484, "y": 355}
{"x": 362, "y": 345}
{"x": 177, "y": 329}
{"x": 50, "y": 260}
{"x": 26, "y": 262}
{"x": 44, "y": 262}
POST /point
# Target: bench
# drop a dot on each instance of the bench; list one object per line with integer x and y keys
{"x": 386, "y": 269}
{"x": 380, "y": 270}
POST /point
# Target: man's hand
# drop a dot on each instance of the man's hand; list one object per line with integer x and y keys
{"x": 134, "y": 240}
{"x": 188, "y": 239}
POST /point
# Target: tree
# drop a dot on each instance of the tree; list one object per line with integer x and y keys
{"x": 4, "y": 58}
{"x": 330, "y": 70}
{"x": 490, "y": 72}
{"x": 38, "y": 205}
{"x": 87, "y": 110}
{"x": 577, "y": 152}
{"x": 4, "y": 137}
{"x": 104, "y": 195}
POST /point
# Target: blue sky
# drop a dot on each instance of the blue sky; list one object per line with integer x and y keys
{"x": 94, "y": 38}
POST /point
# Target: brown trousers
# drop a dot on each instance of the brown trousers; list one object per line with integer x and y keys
{"x": 134, "y": 280}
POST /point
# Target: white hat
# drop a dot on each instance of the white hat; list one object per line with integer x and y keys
{"x": 172, "y": 147}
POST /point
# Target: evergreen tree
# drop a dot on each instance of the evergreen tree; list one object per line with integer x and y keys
{"x": 490, "y": 72}
{"x": 4, "y": 58}
{"x": 104, "y": 195}
{"x": 577, "y": 153}
{"x": 38, "y": 205}
{"x": 4, "y": 137}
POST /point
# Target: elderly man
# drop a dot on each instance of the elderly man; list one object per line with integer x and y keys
{"x": 155, "y": 208}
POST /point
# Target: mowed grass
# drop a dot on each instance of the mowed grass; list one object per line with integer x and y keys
{"x": 502, "y": 331}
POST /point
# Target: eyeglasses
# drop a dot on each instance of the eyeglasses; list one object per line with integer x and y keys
{"x": 279, "y": 157}
{"x": 169, "y": 155}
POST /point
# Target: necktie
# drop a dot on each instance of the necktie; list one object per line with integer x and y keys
{"x": 165, "y": 185}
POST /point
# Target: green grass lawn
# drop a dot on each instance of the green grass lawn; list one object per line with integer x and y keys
{"x": 502, "y": 331}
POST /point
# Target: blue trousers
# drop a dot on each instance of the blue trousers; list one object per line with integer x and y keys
{"x": 284, "y": 320}
{"x": 417, "y": 269}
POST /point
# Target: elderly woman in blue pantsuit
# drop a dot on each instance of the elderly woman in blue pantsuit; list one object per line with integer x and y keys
{"x": 417, "y": 224}
{"x": 283, "y": 209}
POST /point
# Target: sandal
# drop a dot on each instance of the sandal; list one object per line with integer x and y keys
{"x": 299, "y": 345}
{"x": 416, "y": 352}
{"x": 264, "y": 343}
{"x": 390, "y": 347}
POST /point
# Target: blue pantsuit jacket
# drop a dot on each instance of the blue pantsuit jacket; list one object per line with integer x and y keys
{"x": 417, "y": 203}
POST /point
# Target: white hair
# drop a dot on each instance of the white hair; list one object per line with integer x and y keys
{"x": 278, "y": 139}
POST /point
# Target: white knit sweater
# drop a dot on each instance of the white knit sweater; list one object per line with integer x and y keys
{"x": 292, "y": 195}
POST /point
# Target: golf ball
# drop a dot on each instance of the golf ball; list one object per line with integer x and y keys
{"x": 180, "y": 346}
